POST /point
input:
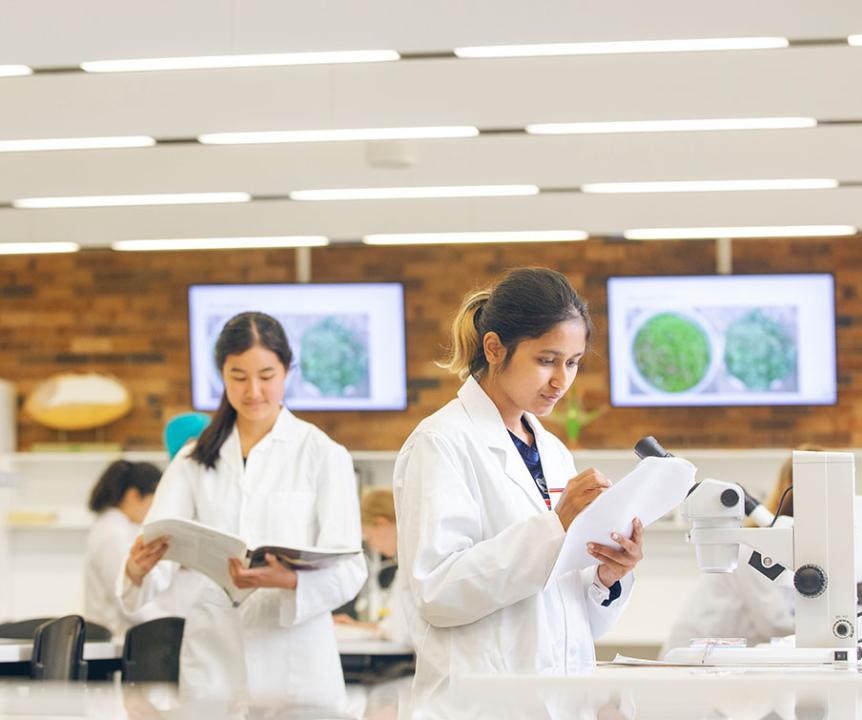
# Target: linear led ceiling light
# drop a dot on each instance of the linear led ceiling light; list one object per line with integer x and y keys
{"x": 475, "y": 237}
{"x": 623, "y": 47}
{"x": 657, "y": 126}
{"x": 303, "y": 136}
{"x": 221, "y": 243}
{"x": 82, "y": 143}
{"x": 855, "y": 40}
{"x": 446, "y": 191}
{"x": 756, "y": 231}
{"x": 79, "y": 201}
{"x": 710, "y": 185}
{"x": 211, "y": 62}
{"x": 37, "y": 248}
{"x": 15, "y": 70}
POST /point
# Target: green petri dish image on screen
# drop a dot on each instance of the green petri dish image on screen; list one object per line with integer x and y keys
{"x": 672, "y": 352}
{"x": 757, "y": 351}
{"x": 332, "y": 358}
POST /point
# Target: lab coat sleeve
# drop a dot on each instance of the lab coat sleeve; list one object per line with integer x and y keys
{"x": 173, "y": 499}
{"x": 109, "y": 562}
{"x": 456, "y": 577}
{"x": 603, "y": 618}
{"x": 337, "y": 506}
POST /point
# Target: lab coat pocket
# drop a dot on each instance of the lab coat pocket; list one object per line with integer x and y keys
{"x": 291, "y": 518}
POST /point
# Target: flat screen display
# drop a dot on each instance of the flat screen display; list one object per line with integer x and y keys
{"x": 347, "y": 339}
{"x": 722, "y": 340}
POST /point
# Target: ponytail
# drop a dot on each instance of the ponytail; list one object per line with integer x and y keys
{"x": 525, "y": 303}
{"x": 466, "y": 352}
{"x": 120, "y": 477}
{"x": 209, "y": 443}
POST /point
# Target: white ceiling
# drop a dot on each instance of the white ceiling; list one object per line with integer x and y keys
{"x": 818, "y": 76}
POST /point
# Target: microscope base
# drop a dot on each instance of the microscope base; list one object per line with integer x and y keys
{"x": 715, "y": 655}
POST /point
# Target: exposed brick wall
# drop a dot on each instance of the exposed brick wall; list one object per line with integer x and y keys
{"x": 125, "y": 314}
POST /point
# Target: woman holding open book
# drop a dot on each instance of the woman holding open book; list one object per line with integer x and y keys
{"x": 261, "y": 474}
{"x": 484, "y": 496}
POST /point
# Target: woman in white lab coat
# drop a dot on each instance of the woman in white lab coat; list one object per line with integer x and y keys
{"x": 741, "y": 604}
{"x": 260, "y": 473}
{"x": 120, "y": 498}
{"x": 484, "y": 496}
{"x": 380, "y": 534}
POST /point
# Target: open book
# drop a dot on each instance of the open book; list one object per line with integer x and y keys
{"x": 207, "y": 550}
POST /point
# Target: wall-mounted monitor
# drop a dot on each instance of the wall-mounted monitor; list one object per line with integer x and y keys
{"x": 722, "y": 340}
{"x": 347, "y": 339}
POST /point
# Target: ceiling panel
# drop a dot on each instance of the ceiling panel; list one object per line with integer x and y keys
{"x": 67, "y": 33}
{"x": 598, "y": 214}
{"x": 547, "y": 161}
{"x": 819, "y": 80}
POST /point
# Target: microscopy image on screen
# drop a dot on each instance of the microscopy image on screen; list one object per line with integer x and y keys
{"x": 714, "y": 350}
{"x": 331, "y": 355}
{"x": 347, "y": 341}
{"x": 722, "y": 340}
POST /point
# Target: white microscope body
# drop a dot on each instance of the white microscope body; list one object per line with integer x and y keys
{"x": 818, "y": 548}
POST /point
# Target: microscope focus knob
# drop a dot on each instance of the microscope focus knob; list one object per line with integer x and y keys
{"x": 729, "y": 498}
{"x": 810, "y": 580}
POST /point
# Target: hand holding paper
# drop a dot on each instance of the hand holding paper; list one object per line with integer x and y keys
{"x": 655, "y": 487}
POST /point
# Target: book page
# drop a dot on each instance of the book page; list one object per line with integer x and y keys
{"x": 201, "y": 548}
{"x": 300, "y": 558}
{"x": 654, "y": 488}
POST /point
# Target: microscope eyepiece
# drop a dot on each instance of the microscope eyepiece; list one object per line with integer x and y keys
{"x": 650, "y": 447}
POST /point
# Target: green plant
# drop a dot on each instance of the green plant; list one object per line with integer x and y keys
{"x": 573, "y": 417}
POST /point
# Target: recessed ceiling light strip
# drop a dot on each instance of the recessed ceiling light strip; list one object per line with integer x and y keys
{"x": 79, "y": 201}
{"x": 220, "y": 243}
{"x": 82, "y": 143}
{"x": 398, "y": 193}
{"x": 37, "y": 248}
{"x": 656, "y": 126}
{"x": 218, "y": 62}
{"x": 623, "y": 47}
{"x": 304, "y": 136}
{"x": 445, "y": 238}
{"x": 676, "y": 186}
{"x": 755, "y": 231}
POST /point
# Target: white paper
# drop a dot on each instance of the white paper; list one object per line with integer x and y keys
{"x": 654, "y": 488}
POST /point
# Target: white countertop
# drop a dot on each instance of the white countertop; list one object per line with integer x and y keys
{"x": 22, "y": 650}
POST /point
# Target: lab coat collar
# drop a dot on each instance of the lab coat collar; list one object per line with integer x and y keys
{"x": 285, "y": 429}
{"x": 485, "y": 416}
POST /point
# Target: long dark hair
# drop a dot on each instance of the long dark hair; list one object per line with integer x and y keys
{"x": 239, "y": 334}
{"x": 120, "y": 477}
{"x": 525, "y": 303}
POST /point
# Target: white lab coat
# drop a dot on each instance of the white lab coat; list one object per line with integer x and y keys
{"x": 741, "y": 604}
{"x": 476, "y": 543}
{"x": 393, "y": 626}
{"x": 108, "y": 543}
{"x": 298, "y": 487}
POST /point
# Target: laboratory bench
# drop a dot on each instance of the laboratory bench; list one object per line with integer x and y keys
{"x": 607, "y": 692}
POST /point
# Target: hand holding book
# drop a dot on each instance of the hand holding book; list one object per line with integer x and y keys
{"x": 226, "y": 559}
{"x": 272, "y": 574}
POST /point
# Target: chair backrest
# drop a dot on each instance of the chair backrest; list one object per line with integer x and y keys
{"x": 58, "y": 650}
{"x": 21, "y": 629}
{"x": 95, "y": 632}
{"x": 151, "y": 652}
{"x": 26, "y": 629}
